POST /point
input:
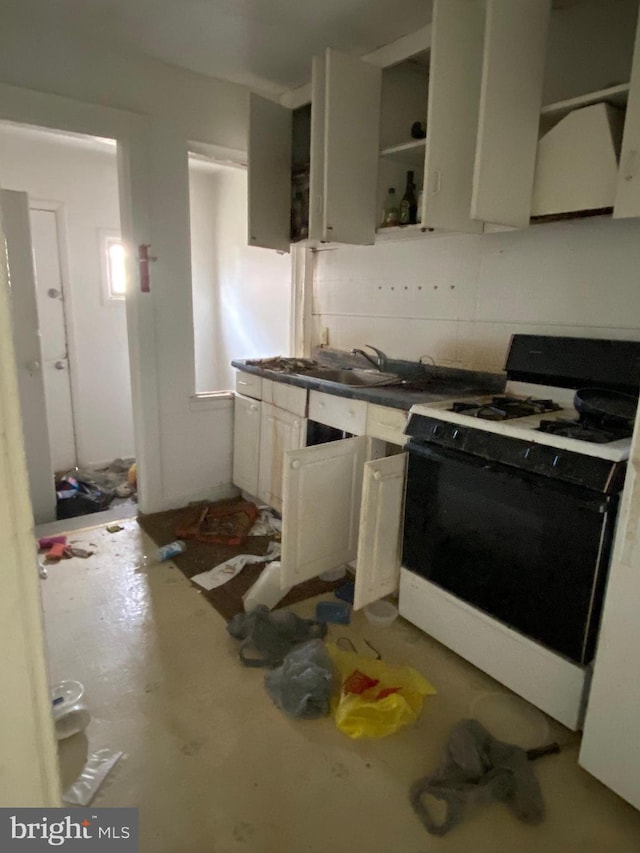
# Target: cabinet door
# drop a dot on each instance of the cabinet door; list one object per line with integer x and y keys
{"x": 351, "y": 141}
{"x": 321, "y": 508}
{"x": 269, "y": 177}
{"x": 317, "y": 148}
{"x": 379, "y": 544}
{"x": 280, "y": 431}
{"x": 510, "y": 103}
{"x": 246, "y": 444}
{"x": 628, "y": 189}
{"x": 452, "y": 126}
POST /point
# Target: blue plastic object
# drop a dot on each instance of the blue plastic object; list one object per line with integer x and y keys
{"x": 345, "y": 592}
{"x": 337, "y": 612}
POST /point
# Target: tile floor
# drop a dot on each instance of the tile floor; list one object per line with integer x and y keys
{"x": 215, "y": 767}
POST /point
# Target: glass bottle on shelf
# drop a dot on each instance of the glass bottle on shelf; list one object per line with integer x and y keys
{"x": 391, "y": 212}
{"x": 408, "y": 205}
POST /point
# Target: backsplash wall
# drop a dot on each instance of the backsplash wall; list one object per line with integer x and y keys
{"x": 459, "y": 298}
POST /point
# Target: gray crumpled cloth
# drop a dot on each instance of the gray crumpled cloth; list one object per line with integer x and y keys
{"x": 478, "y": 769}
{"x": 271, "y": 635}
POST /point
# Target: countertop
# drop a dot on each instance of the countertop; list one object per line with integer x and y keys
{"x": 427, "y": 385}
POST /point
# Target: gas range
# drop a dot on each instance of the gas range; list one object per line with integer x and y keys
{"x": 526, "y": 411}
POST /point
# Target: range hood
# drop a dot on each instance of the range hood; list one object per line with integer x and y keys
{"x": 577, "y": 162}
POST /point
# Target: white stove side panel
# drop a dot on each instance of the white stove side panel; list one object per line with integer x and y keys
{"x": 548, "y": 681}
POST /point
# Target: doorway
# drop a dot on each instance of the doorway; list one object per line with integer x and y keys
{"x": 78, "y": 322}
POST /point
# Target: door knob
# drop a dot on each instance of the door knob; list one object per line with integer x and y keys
{"x": 59, "y": 365}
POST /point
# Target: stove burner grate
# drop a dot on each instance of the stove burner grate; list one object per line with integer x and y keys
{"x": 505, "y": 408}
{"x": 584, "y": 430}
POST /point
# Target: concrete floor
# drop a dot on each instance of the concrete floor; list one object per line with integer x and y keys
{"x": 213, "y": 765}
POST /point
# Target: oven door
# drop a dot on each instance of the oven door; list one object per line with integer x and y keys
{"x": 530, "y": 551}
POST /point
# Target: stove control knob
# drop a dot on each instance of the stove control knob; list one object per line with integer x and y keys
{"x": 436, "y": 429}
{"x": 556, "y": 461}
{"x": 527, "y": 453}
{"x": 455, "y": 435}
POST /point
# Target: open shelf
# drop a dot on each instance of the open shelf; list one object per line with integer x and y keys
{"x": 409, "y": 153}
{"x": 616, "y": 95}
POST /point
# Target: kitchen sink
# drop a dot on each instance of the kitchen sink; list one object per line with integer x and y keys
{"x": 353, "y": 376}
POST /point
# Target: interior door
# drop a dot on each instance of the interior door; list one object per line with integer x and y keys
{"x": 321, "y": 508}
{"x": 53, "y": 336}
{"x": 27, "y": 344}
{"x": 628, "y": 188}
{"x": 452, "y": 125}
{"x": 379, "y": 542}
{"x": 510, "y": 103}
{"x": 352, "y": 141}
{"x": 269, "y": 176}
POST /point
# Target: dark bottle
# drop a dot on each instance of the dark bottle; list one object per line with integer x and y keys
{"x": 409, "y": 204}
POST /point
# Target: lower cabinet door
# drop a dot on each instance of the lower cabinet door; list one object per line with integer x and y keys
{"x": 246, "y": 443}
{"x": 379, "y": 541}
{"x": 280, "y": 431}
{"x": 321, "y": 508}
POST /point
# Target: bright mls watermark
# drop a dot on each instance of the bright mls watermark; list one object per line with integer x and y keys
{"x": 103, "y": 830}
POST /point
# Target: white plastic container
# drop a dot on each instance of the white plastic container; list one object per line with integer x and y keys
{"x": 266, "y": 590}
{"x": 333, "y": 574}
{"x": 70, "y": 712}
{"x": 382, "y": 613}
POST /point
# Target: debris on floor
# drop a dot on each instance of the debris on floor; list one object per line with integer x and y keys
{"x": 114, "y": 528}
{"x": 336, "y": 612}
{"x": 95, "y": 771}
{"x": 222, "y": 523}
{"x": 223, "y": 572}
{"x": 82, "y": 491}
{"x": 477, "y": 768}
{"x": 271, "y": 636}
{"x": 303, "y": 685}
{"x": 376, "y": 699}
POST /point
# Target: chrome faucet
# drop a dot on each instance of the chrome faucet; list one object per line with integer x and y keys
{"x": 379, "y": 362}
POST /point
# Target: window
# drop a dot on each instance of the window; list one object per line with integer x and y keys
{"x": 114, "y": 270}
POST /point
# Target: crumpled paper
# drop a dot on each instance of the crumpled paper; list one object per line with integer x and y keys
{"x": 224, "y": 572}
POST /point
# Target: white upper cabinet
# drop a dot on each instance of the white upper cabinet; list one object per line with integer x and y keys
{"x": 585, "y": 159}
{"x": 510, "y": 102}
{"x": 452, "y": 124}
{"x": 269, "y": 178}
{"x": 349, "y": 163}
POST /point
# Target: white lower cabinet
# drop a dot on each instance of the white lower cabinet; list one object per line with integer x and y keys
{"x": 339, "y": 506}
{"x": 246, "y": 443}
{"x": 280, "y": 431}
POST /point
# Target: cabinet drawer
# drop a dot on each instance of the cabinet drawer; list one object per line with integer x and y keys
{"x": 249, "y": 385}
{"x": 290, "y": 398}
{"x": 338, "y": 412}
{"x": 386, "y": 423}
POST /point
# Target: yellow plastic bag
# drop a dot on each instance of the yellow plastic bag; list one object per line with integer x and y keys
{"x": 375, "y": 699}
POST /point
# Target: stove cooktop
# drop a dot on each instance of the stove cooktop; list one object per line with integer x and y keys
{"x": 537, "y": 414}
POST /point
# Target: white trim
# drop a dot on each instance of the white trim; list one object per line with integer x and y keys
{"x": 547, "y": 680}
{"x": 30, "y": 774}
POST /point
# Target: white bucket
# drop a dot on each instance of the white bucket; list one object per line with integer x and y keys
{"x": 266, "y": 590}
{"x": 70, "y": 713}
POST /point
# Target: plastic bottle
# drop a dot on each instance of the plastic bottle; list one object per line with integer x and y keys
{"x": 267, "y": 589}
{"x": 391, "y": 214}
{"x": 171, "y": 550}
{"x": 408, "y": 205}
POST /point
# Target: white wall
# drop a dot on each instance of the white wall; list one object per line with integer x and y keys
{"x": 459, "y": 298}
{"x": 241, "y": 294}
{"x": 82, "y": 175}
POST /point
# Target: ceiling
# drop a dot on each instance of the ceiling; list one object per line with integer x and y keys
{"x": 264, "y": 44}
